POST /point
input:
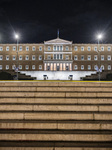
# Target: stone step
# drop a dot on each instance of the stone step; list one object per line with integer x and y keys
{"x": 57, "y": 125}
{"x": 57, "y": 137}
{"x": 57, "y": 94}
{"x": 94, "y": 101}
{"x": 55, "y": 116}
{"x": 56, "y": 108}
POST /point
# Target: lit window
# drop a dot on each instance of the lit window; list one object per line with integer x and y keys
{"x": 89, "y": 67}
{"x": 13, "y": 57}
{"x": 33, "y": 48}
{"x": 109, "y": 67}
{"x": 109, "y": 48}
{"x": 20, "y": 57}
{"x": 27, "y": 48}
{"x": 82, "y": 67}
{"x": 33, "y": 67}
{"x": 7, "y": 48}
{"x": 40, "y": 48}
{"x": 95, "y": 57}
{"x": 0, "y": 67}
{"x": 102, "y": 48}
{"x": 20, "y": 67}
{"x": 33, "y": 57}
{"x": 40, "y": 66}
{"x": 95, "y": 48}
{"x": 109, "y": 57}
{"x": 67, "y": 57}
{"x": 20, "y": 48}
{"x": 102, "y": 57}
{"x": 1, "y": 48}
{"x": 75, "y": 48}
{"x": 75, "y": 57}
{"x": 67, "y": 48}
{"x": 89, "y": 48}
{"x": 40, "y": 57}
{"x": 75, "y": 67}
{"x": 82, "y": 57}
{"x": 7, "y": 57}
{"x": 7, "y": 67}
{"x": 89, "y": 57}
{"x": 49, "y": 57}
{"x": 1, "y": 57}
{"x": 14, "y": 48}
{"x": 27, "y": 57}
{"x": 27, "y": 67}
{"x": 49, "y": 48}
{"x": 82, "y": 48}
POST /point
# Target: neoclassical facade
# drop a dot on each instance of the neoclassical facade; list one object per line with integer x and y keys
{"x": 56, "y": 55}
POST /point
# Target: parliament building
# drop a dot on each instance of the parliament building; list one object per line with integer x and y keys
{"x": 56, "y": 55}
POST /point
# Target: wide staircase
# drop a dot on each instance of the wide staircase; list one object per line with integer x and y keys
{"x": 55, "y": 116}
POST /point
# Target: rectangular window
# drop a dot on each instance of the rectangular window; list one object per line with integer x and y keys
{"x": 13, "y": 57}
{"x": 82, "y": 67}
{"x": 20, "y": 67}
{"x": 75, "y": 57}
{"x": 102, "y": 48}
{"x": 95, "y": 57}
{"x": 89, "y": 57}
{"x": 109, "y": 67}
{"x": 109, "y": 48}
{"x": 14, "y": 48}
{"x": 7, "y": 48}
{"x": 7, "y": 67}
{"x": 61, "y": 56}
{"x": 57, "y": 48}
{"x": 109, "y": 57}
{"x": 27, "y": 67}
{"x": 1, "y": 57}
{"x": 54, "y": 48}
{"x": 75, "y": 48}
{"x": 40, "y": 66}
{"x": 102, "y": 67}
{"x": 33, "y": 67}
{"x": 61, "y": 48}
{"x": 75, "y": 67}
{"x": 67, "y": 57}
{"x": 82, "y": 48}
{"x": 20, "y": 57}
{"x": 33, "y": 48}
{"x": 27, "y": 48}
{"x": 1, "y": 48}
{"x": 40, "y": 57}
{"x": 27, "y": 57}
{"x": 7, "y": 57}
{"x": 48, "y": 57}
{"x": 33, "y": 57}
{"x": 102, "y": 57}
{"x": 89, "y": 48}
{"x": 95, "y": 48}
{"x": 82, "y": 57}
{"x": 67, "y": 48}
{"x": 89, "y": 67}
{"x": 0, "y": 67}
{"x": 20, "y": 48}
{"x": 55, "y": 56}
{"x": 49, "y": 48}
{"x": 40, "y": 48}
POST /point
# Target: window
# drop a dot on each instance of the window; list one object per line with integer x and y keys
{"x": 82, "y": 57}
{"x": 49, "y": 48}
{"x": 14, "y": 48}
{"x": 54, "y": 56}
{"x": 13, "y": 67}
{"x": 1, "y": 57}
{"x": 20, "y": 57}
{"x": 102, "y": 48}
{"x": 61, "y": 56}
{"x": 102, "y": 57}
{"x": 109, "y": 48}
{"x": 33, "y": 67}
{"x": 0, "y": 67}
{"x": 40, "y": 57}
{"x": 7, "y": 48}
{"x": 27, "y": 48}
{"x": 27, "y": 67}
{"x": 82, "y": 48}
{"x": 82, "y": 67}
{"x": 54, "y": 48}
{"x": 20, "y": 67}
{"x": 7, "y": 67}
{"x": 57, "y": 48}
{"x": 109, "y": 57}
{"x": 95, "y": 57}
{"x": 102, "y": 67}
{"x": 61, "y": 48}
{"x": 33, "y": 48}
{"x": 40, "y": 48}
{"x": 95, "y": 48}
{"x": 33, "y": 57}
{"x": 13, "y": 57}
{"x": 67, "y": 48}
{"x": 20, "y": 48}
{"x": 89, "y": 57}
{"x": 109, "y": 67}
{"x": 48, "y": 56}
{"x": 89, "y": 67}
{"x": 40, "y": 66}
{"x": 96, "y": 67}
{"x": 27, "y": 57}
{"x": 89, "y": 48}
{"x": 75, "y": 57}
{"x": 1, "y": 48}
{"x": 7, "y": 57}
{"x": 76, "y": 67}
{"x": 67, "y": 57}
{"x": 57, "y": 56}
{"x": 75, "y": 48}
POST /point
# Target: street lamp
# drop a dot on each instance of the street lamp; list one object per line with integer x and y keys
{"x": 99, "y": 37}
{"x": 17, "y": 38}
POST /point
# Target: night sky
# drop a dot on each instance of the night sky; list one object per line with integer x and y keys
{"x": 38, "y": 20}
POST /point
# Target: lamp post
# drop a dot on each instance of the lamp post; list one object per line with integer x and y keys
{"x": 17, "y": 38}
{"x": 99, "y": 37}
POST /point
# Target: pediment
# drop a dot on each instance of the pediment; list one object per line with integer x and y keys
{"x": 57, "y": 41}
